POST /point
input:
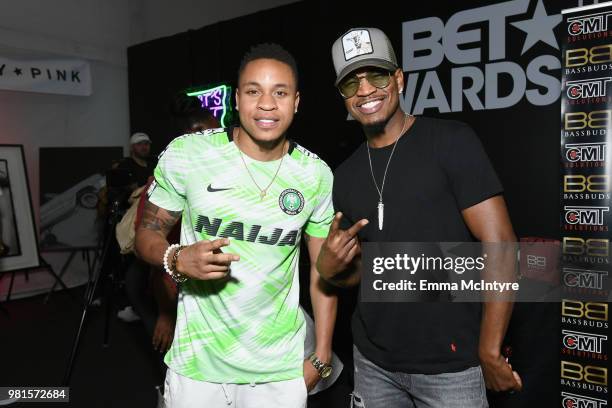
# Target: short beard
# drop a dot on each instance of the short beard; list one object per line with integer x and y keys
{"x": 142, "y": 156}
{"x": 375, "y": 129}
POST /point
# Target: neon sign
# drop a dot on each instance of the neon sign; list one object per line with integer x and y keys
{"x": 216, "y": 100}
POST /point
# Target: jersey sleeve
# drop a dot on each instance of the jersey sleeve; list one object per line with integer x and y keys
{"x": 168, "y": 189}
{"x": 470, "y": 173}
{"x": 320, "y": 220}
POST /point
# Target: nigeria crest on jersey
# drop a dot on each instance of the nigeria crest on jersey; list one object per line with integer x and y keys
{"x": 291, "y": 201}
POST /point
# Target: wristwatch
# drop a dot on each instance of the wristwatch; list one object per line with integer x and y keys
{"x": 322, "y": 368}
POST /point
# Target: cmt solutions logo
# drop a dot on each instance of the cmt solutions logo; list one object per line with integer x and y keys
{"x": 588, "y": 26}
{"x": 585, "y": 155}
{"x": 588, "y": 89}
{"x": 583, "y": 345}
{"x": 585, "y": 218}
{"x": 580, "y": 401}
{"x": 585, "y": 281}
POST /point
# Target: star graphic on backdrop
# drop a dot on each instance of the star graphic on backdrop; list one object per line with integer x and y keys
{"x": 539, "y": 28}
{"x": 17, "y": 71}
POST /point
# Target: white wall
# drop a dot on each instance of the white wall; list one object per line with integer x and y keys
{"x": 92, "y": 29}
{"x": 99, "y": 31}
{"x": 159, "y": 18}
{"x": 95, "y": 30}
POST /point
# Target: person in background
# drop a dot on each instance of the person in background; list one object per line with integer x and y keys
{"x": 137, "y": 169}
{"x": 138, "y": 163}
{"x": 193, "y": 119}
{"x": 189, "y": 115}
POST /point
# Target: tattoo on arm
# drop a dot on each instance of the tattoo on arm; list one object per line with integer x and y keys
{"x": 155, "y": 218}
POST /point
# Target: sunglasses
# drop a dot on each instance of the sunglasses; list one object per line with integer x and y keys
{"x": 349, "y": 86}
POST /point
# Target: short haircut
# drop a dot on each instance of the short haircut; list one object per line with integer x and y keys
{"x": 269, "y": 51}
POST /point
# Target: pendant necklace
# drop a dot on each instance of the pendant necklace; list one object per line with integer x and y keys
{"x": 262, "y": 191}
{"x": 381, "y": 204}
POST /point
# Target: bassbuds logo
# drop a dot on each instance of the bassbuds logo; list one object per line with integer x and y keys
{"x": 582, "y": 187}
{"x": 585, "y": 152}
{"x": 589, "y": 23}
{"x": 575, "y": 340}
{"x": 584, "y": 314}
{"x": 584, "y": 215}
{"x": 586, "y": 377}
{"x": 587, "y": 88}
{"x": 580, "y": 401}
{"x": 589, "y": 250}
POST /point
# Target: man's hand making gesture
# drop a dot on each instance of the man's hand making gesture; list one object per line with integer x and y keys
{"x": 204, "y": 260}
{"x": 340, "y": 254}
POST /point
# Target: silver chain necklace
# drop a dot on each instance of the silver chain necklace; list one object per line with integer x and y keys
{"x": 262, "y": 191}
{"x": 381, "y": 205}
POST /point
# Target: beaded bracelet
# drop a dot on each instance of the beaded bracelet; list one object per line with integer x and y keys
{"x": 171, "y": 270}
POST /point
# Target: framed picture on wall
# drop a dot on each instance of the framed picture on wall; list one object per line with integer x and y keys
{"x": 72, "y": 186}
{"x": 18, "y": 240}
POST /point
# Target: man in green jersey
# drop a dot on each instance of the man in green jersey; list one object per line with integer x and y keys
{"x": 246, "y": 196}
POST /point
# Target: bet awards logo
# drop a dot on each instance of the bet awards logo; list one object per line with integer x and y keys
{"x": 580, "y": 401}
{"x": 479, "y": 59}
{"x": 587, "y": 24}
{"x": 587, "y": 88}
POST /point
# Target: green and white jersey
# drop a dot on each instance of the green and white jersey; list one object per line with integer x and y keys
{"x": 249, "y": 328}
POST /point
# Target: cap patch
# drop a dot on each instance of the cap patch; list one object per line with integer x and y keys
{"x": 356, "y": 43}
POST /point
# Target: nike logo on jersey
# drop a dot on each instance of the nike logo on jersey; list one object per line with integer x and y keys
{"x": 211, "y": 189}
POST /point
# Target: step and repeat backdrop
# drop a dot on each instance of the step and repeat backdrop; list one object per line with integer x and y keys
{"x": 586, "y": 106}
